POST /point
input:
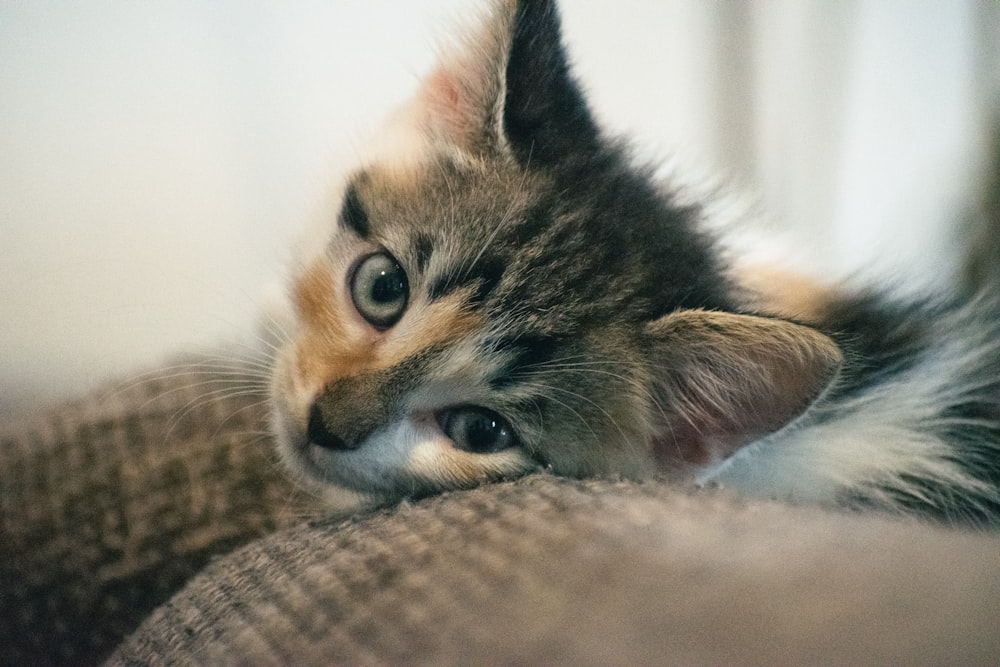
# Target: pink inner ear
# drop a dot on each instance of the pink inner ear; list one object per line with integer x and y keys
{"x": 441, "y": 91}
{"x": 446, "y": 110}
{"x": 685, "y": 445}
{"x": 706, "y": 432}
{"x": 729, "y": 379}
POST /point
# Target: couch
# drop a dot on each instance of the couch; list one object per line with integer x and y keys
{"x": 151, "y": 523}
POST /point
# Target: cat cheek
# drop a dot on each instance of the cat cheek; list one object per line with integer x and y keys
{"x": 435, "y": 460}
{"x": 322, "y": 300}
{"x": 333, "y": 340}
{"x": 443, "y": 466}
{"x": 313, "y": 295}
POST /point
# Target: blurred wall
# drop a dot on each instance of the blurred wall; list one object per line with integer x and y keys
{"x": 158, "y": 159}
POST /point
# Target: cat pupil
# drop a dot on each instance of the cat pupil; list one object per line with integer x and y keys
{"x": 388, "y": 287}
{"x": 379, "y": 289}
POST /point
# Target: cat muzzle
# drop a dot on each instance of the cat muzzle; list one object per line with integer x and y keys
{"x": 320, "y": 435}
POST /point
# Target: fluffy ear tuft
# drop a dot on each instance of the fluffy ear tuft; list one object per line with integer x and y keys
{"x": 459, "y": 101}
{"x": 507, "y": 88}
{"x": 725, "y": 380}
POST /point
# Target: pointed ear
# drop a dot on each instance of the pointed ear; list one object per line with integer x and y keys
{"x": 508, "y": 88}
{"x": 725, "y": 380}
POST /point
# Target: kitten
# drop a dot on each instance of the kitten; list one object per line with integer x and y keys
{"x": 504, "y": 291}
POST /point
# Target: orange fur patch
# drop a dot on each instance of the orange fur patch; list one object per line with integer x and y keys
{"x": 314, "y": 293}
{"x": 786, "y": 294}
{"x": 336, "y": 343}
{"x": 327, "y": 341}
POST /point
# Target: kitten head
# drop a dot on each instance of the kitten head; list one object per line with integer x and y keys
{"x": 507, "y": 292}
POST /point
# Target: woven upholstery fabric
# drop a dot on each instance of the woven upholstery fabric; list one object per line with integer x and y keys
{"x": 109, "y": 504}
{"x": 546, "y": 571}
{"x": 169, "y": 487}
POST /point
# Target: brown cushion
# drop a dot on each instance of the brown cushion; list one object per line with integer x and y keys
{"x": 110, "y": 504}
{"x": 555, "y": 571}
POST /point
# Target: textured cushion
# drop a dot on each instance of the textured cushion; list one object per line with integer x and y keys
{"x": 547, "y": 570}
{"x": 108, "y": 506}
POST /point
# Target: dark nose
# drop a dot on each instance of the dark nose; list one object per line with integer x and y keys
{"x": 319, "y": 434}
{"x": 348, "y": 410}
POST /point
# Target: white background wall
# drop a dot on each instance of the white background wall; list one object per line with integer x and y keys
{"x": 157, "y": 159}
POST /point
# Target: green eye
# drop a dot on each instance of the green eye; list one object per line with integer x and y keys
{"x": 477, "y": 430}
{"x": 380, "y": 290}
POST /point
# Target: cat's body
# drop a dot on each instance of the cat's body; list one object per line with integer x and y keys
{"x": 503, "y": 291}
